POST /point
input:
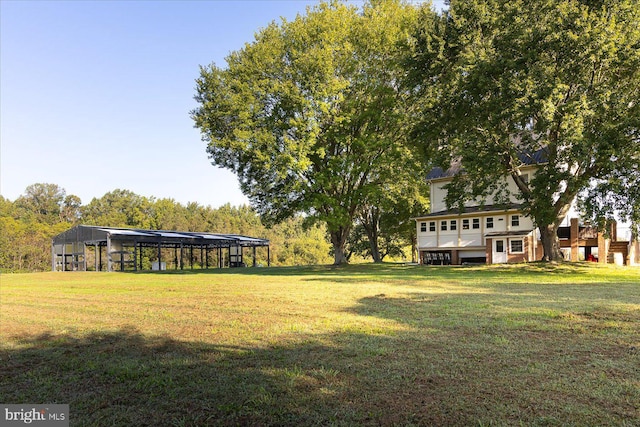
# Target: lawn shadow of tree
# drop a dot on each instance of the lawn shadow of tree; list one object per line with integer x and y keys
{"x": 127, "y": 378}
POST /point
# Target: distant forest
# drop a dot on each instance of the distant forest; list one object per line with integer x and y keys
{"x": 45, "y": 210}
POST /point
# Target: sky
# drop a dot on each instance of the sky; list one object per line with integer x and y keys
{"x": 95, "y": 95}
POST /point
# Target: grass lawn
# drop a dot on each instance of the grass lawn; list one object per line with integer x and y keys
{"x": 361, "y": 345}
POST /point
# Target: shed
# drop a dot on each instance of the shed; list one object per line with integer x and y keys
{"x": 131, "y": 249}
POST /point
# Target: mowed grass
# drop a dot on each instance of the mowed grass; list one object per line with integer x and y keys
{"x": 361, "y": 345}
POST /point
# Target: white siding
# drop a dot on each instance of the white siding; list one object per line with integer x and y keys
{"x": 471, "y": 239}
{"x": 438, "y": 194}
{"x": 427, "y": 241}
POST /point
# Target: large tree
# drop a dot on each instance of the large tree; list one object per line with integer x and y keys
{"x": 309, "y": 115}
{"x": 552, "y": 82}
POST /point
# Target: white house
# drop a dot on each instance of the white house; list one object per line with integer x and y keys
{"x": 491, "y": 233}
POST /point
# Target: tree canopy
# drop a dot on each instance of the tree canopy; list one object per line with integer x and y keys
{"x": 499, "y": 80}
{"x": 310, "y": 115}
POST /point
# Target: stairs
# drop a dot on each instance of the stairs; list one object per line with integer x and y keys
{"x": 618, "y": 248}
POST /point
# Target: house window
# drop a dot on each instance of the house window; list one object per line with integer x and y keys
{"x": 443, "y": 225}
{"x": 476, "y": 223}
{"x": 423, "y": 227}
{"x": 517, "y": 246}
{"x": 432, "y": 226}
{"x": 515, "y": 220}
{"x": 465, "y": 224}
{"x": 453, "y": 225}
{"x": 490, "y": 222}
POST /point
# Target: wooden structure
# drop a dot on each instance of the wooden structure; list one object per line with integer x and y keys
{"x": 127, "y": 249}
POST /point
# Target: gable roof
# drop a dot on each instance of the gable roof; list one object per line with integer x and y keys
{"x": 527, "y": 157}
{"x": 473, "y": 210}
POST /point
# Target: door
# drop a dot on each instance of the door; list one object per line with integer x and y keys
{"x": 499, "y": 251}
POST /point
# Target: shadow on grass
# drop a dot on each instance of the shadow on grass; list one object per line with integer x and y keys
{"x": 403, "y": 271}
{"x": 447, "y": 372}
{"x": 126, "y": 378}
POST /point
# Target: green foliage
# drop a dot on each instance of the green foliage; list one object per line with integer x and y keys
{"x": 499, "y": 80}
{"x": 25, "y": 241}
{"x": 309, "y": 115}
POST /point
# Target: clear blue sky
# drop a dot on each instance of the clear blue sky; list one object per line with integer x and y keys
{"x": 95, "y": 95}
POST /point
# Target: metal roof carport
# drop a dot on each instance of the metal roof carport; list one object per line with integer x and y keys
{"x": 123, "y": 248}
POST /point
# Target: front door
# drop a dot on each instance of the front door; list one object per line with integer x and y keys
{"x": 499, "y": 251}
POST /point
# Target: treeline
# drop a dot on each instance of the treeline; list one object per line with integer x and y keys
{"x": 44, "y": 210}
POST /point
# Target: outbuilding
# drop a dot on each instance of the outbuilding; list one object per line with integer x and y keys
{"x": 87, "y": 247}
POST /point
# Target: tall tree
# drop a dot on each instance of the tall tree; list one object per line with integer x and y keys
{"x": 119, "y": 208}
{"x": 46, "y": 202}
{"x": 310, "y": 113}
{"x": 506, "y": 79}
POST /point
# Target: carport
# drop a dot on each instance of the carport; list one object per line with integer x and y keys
{"x": 87, "y": 247}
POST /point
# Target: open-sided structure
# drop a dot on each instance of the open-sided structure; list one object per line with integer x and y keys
{"x": 127, "y": 249}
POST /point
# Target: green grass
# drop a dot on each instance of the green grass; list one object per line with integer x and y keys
{"x": 362, "y": 345}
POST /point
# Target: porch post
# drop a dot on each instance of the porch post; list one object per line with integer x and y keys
{"x": 109, "y": 261}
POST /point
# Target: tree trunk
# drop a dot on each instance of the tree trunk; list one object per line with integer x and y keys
{"x": 550, "y": 243}
{"x": 371, "y": 224}
{"x": 339, "y": 241}
{"x": 372, "y": 235}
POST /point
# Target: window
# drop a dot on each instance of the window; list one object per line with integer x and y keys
{"x": 490, "y": 222}
{"x": 517, "y": 246}
{"x": 515, "y": 220}
{"x": 453, "y": 225}
{"x": 465, "y": 224}
{"x": 423, "y": 227}
{"x": 443, "y": 225}
{"x": 476, "y": 223}
{"x": 432, "y": 226}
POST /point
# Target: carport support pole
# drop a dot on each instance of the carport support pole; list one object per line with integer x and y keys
{"x": 109, "y": 262}
{"x": 53, "y": 256}
{"x": 268, "y": 256}
{"x": 254, "y": 256}
{"x": 95, "y": 256}
{"x": 159, "y": 257}
{"x": 181, "y": 257}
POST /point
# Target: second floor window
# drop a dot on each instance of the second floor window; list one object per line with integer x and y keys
{"x": 453, "y": 225}
{"x": 423, "y": 227}
{"x": 443, "y": 225}
{"x": 432, "y": 226}
{"x": 476, "y": 223}
{"x": 490, "y": 222}
{"x": 465, "y": 224}
{"x": 515, "y": 220}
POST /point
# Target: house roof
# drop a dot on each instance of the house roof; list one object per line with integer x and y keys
{"x": 97, "y": 235}
{"x": 474, "y": 209}
{"x": 508, "y": 233}
{"x": 527, "y": 157}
